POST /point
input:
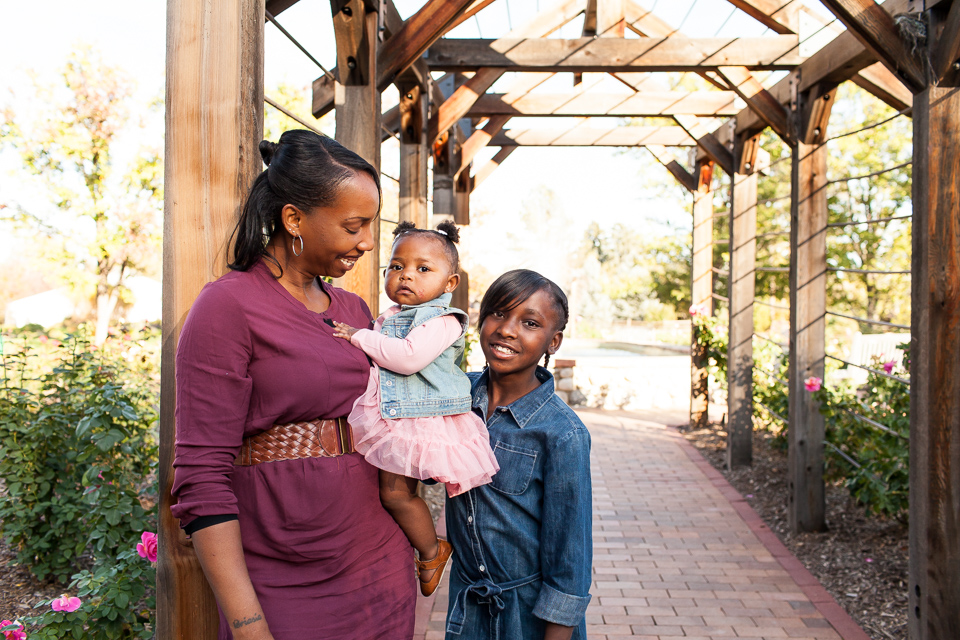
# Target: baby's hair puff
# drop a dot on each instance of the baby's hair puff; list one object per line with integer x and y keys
{"x": 446, "y": 232}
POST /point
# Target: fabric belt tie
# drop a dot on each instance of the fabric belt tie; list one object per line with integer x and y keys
{"x": 312, "y": 439}
{"x": 488, "y": 593}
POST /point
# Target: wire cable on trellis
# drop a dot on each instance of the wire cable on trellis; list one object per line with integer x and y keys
{"x": 292, "y": 115}
{"x": 387, "y": 130}
{"x": 772, "y": 269}
{"x": 477, "y": 20}
{"x": 771, "y": 411}
{"x": 800, "y": 42}
{"x": 771, "y": 234}
{"x": 782, "y": 346}
{"x": 722, "y": 214}
{"x": 509, "y": 19}
{"x": 782, "y": 158}
{"x": 879, "y": 323}
{"x": 721, "y": 240}
{"x": 771, "y": 201}
{"x": 844, "y": 455}
{"x": 771, "y": 305}
{"x": 724, "y": 23}
{"x": 298, "y": 45}
{"x": 684, "y": 21}
{"x": 867, "y": 271}
{"x": 869, "y": 175}
{"x": 386, "y": 175}
{"x": 771, "y": 375}
{"x": 717, "y": 296}
{"x": 869, "y": 126}
{"x": 390, "y": 221}
{"x": 875, "y": 221}
{"x": 874, "y": 424}
{"x": 720, "y": 272}
{"x": 870, "y": 369}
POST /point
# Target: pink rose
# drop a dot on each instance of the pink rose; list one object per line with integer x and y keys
{"x": 147, "y": 548}
{"x": 813, "y": 383}
{"x": 889, "y": 366}
{"x": 13, "y": 634}
{"x": 697, "y": 310}
{"x": 66, "y": 603}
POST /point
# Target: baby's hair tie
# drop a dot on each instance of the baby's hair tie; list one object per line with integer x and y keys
{"x": 441, "y": 231}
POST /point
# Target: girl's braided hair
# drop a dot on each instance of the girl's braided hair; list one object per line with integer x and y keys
{"x": 512, "y": 288}
{"x": 446, "y": 232}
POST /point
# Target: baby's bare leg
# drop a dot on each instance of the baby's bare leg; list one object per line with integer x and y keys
{"x": 398, "y": 494}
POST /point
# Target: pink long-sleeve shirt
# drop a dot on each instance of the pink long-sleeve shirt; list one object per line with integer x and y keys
{"x": 408, "y": 355}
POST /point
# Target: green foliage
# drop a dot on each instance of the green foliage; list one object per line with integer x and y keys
{"x": 770, "y": 373}
{"x": 710, "y": 338}
{"x": 78, "y": 451}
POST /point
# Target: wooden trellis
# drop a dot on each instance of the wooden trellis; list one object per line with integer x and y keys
{"x": 214, "y": 123}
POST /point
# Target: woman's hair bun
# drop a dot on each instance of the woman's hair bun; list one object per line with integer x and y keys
{"x": 402, "y": 228}
{"x": 267, "y": 151}
{"x": 450, "y": 230}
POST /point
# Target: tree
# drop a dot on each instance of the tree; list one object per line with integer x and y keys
{"x": 109, "y": 228}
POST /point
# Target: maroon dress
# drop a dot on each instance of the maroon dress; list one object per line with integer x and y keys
{"x": 325, "y": 558}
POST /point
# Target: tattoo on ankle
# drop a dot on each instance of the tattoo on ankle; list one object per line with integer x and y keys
{"x": 242, "y": 623}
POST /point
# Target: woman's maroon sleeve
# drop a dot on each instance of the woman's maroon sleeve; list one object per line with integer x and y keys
{"x": 213, "y": 398}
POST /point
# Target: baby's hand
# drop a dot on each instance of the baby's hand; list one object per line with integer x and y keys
{"x": 344, "y": 331}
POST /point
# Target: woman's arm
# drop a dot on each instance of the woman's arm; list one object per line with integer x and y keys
{"x": 407, "y": 355}
{"x": 221, "y": 556}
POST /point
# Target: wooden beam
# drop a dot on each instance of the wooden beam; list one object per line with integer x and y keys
{"x": 276, "y": 7}
{"x": 478, "y": 140}
{"x": 715, "y": 150}
{"x": 588, "y": 104}
{"x": 416, "y": 35}
{"x": 491, "y": 165}
{"x": 413, "y": 155}
{"x": 879, "y": 81}
{"x": 686, "y": 179}
{"x": 470, "y": 11}
{"x": 766, "y": 106}
{"x": 610, "y": 55}
{"x": 358, "y": 125}
{"x": 874, "y": 28}
{"x": 214, "y": 124}
{"x": 592, "y": 137}
{"x": 946, "y": 49}
{"x": 817, "y": 104}
{"x": 808, "y": 271}
{"x": 779, "y": 16}
{"x": 701, "y": 292}
{"x": 742, "y": 279}
{"x": 934, "y": 586}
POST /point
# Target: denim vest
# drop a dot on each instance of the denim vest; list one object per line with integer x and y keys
{"x": 440, "y": 388}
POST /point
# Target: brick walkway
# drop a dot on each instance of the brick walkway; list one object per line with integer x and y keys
{"x": 679, "y": 553}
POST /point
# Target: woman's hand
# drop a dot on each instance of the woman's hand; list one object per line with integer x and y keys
{"x": 344, "y": 331}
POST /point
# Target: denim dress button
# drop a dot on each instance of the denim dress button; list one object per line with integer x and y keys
{"x": 393, "y": 412}
{"x": 469, "y": 518}
{"x": 482, "y": 568}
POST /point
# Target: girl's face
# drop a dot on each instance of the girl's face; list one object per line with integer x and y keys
{"x": 419, "y": 270}
{"x": 334, "y": 238}
{"x": 515, "y": 341}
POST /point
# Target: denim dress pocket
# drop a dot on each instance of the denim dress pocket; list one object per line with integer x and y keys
{"x": 516, "y": 468}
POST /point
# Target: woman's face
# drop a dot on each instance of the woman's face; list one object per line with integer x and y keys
{"x": 335, "y": 237}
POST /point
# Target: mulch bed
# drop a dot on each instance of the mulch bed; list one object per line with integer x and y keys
{"x": 19, "y": 590}
{"x": 861, "y": 559}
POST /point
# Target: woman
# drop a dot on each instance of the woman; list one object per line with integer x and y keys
{"x": 285, "y": 518}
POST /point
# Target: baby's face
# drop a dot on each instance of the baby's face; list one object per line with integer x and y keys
{"x": 419, "y": 270}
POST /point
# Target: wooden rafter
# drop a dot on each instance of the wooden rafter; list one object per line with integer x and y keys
{"x": 594, "y": 137}
{"x": 583, "y": 55}
{"x": 677, "y": 170}
{"x": 472, "y": 10}
{"x": 947, "y": 49}
{"x": 767, "y": 107}
{"x": 777, "y": 15}
{"x": 879, "y": 81}
{"x": 491, "y": 165}
{"x": 457, "y": 105}
{"x": 478, "y": 140}
{"x": 875, "y": 29}
{"x": 588, "y": 104}
{"x": 645, "y": 23}
{"x": 275, "y": 7}
{"x": 708, "y": 142}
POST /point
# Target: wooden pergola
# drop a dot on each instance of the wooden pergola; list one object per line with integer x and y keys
{"x": 214, "y": 122}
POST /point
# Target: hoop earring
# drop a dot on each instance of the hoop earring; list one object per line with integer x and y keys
{"x": 294, "y": 247}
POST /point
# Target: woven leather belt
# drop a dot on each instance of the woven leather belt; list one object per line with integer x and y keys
{"x": 313, "y": 439}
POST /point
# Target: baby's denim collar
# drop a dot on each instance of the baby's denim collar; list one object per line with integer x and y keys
{"x": 443, "y": 300}
{"x": 522, "y": 409}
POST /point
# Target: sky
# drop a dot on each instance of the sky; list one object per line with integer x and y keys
{"x": 604, "y": 185}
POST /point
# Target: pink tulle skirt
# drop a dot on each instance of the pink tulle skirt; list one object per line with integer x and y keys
{"x": 454, "y": 450}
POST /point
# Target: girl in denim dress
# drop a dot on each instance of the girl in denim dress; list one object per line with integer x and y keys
{"x": 414, "y": 420}
{"x": 524, "y": 541}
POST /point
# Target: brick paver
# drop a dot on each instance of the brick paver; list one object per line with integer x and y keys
{"x": 678, "y": 553}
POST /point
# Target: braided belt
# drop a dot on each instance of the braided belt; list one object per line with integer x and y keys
{"x": 313, "y": 439}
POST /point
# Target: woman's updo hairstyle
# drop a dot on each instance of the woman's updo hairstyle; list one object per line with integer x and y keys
{"x": 514, "y": 287}
{"x": 304, "y": 169}
{"x": 446, "y": 232}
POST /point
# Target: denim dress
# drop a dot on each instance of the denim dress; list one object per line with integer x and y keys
{"x": 523, "y": 543}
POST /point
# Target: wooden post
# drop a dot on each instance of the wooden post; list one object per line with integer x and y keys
{"x": 445, "y": 163}
{"x": 934, "y": 610}
{"x": 701, "y": 291}
{"x": 413, "y": 154}
{"x": 214, "y": 123}
{"x": 743, "y": 255}
{"x": 808, "y": 269}
{"x": 357, "y": 103}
